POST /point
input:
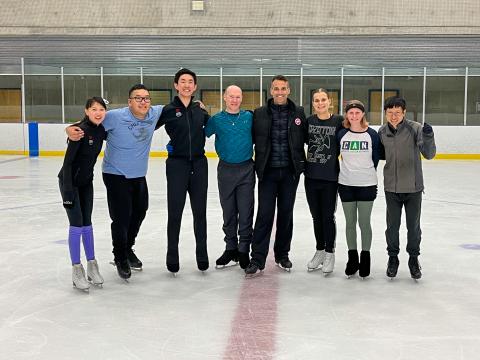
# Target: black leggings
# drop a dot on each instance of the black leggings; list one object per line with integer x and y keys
{"x": 322, "y": 200}
{"x": 81, "y": 212}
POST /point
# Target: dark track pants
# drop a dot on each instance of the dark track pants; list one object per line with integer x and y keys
{"x": 278, "y": 187}
{"x": 185, "y": 176}
{"x": 127, "y": 205}
{"x": 413, "y": 206}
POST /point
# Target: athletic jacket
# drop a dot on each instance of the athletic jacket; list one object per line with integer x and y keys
{"x": 401, "y": 149}
{"x": 80, "y": 158}
{"x": 185, "y": 127}
{"x": 261, "y": 133}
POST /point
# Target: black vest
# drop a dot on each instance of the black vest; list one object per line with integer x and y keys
{"x": 279, "y": 156}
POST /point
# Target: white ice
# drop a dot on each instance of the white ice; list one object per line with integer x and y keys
{"x": 156, "y": 316}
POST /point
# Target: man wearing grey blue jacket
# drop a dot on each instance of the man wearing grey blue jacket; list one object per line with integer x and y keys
{"x": 404, "y": 141}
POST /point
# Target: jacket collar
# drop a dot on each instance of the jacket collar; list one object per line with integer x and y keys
{"x": 291, "y": 105}
{"x": 177, "y": 102}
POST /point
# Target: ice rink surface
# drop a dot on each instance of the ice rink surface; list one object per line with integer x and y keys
{"x": 220, "y": 314}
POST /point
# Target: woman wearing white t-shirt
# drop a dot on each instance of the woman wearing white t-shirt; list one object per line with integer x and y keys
{"x": 359, "y": 155}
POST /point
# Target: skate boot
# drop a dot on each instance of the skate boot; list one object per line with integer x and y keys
{"x": 352, "y": 263}
{"x": 392, "y": 266}
{"x": 415, "y": 268}
{"x": 78, "y": 278}
{"x": 228, "y": 258}
{"x": 134, "y": 261}
{"x": 123, "y": 269}
{"x": 317, "y": 261}
{"x": 173, "y": 263}
{"x": 364, "y": 264}
{"x": 173, "y": 268}
{"x": 202, "y": 265}
{"x": 253, "y": 270}
{"x": 284, "y": 264}
{"x": 328, "y": 264}
{"x": 93, "y": 274}
{"x": 244, "y": 259}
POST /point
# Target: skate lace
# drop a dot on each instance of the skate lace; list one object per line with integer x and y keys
{"x": 317, "y": 257}
{"x": 79, "y": 274}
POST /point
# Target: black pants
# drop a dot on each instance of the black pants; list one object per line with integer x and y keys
{"x": 127, "y": 205}
{"x": 236, "y": 187}
{"x": 322, "y": 201}
{"x": 187, "y": 176}
{"x": 278, "y": 187}
{"x": 81, "y": 212}
{"x": 413, "y": 207}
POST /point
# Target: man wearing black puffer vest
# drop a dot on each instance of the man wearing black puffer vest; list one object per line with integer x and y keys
{"x": 186, "y": 168}
{"x": 278, "y": 135}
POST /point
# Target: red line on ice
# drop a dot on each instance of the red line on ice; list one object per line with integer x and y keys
{"x": 254, "y": 325}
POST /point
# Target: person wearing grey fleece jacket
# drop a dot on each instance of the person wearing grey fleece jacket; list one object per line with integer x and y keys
{"x": 403, "y": 142}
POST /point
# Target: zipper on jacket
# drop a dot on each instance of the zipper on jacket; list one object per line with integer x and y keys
{"x": 290, "y": 144}
{"x": 396, "y": 161}
{"x": 189, "y": 133}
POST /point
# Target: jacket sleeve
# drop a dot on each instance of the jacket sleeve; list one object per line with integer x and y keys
{"x": 163, "y": 118}
{"x": 70, "y": 155}
{"x": 426, "y": 144}
{"x": 375, "y": 146}
{"x": 303, "y": 117}
{"x": 206, "y": 117}
{"x": 253, "y": 126}
{"x": 210, "y": 127}
{"x": 381, "y": 148}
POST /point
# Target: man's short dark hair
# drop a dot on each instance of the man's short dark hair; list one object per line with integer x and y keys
{"x": 279, "y": 77}
{"x": 184, "y": 71}
{"x": 395, "y": 101}
{"x": 137, "y": 87}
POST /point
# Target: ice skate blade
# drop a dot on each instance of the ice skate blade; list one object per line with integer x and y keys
{"x": 229, "y": 265}
{"x": 251, "y": 276}
{"x": 325, "y": 274}
{"x": 96, "y": 284}
{"x": 284, "y": 268}
{"x": 87, "y": 290}
{"x": 309, "y": 269}
{"x": 174, "y": 274}
{"x": 136, "y": 269}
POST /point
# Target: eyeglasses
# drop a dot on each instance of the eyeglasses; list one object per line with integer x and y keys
{"x": 394, "y": 114}
{"x": 139, "y": 99}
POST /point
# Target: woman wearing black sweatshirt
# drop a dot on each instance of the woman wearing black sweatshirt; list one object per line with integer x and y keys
{"x": 76, "y": 187}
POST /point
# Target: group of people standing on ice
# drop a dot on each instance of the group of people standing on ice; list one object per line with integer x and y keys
{"x": 341, "y": 158}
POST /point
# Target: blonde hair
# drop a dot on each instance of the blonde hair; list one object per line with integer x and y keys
{"x": 355, "y": 104}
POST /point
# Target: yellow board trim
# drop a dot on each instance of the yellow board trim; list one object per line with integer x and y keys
{"x": 163, "y": 154}
{"x": 13, "y": 152}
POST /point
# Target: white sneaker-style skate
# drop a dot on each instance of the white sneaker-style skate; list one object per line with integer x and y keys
{"x": 78, "y": 278}
{"x": 93, "y": 274}
{"x": 329, "y": 263}
{"x": 317, "y": 261}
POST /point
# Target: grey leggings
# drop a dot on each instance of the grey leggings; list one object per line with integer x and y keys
{"x": 364, "y": 211}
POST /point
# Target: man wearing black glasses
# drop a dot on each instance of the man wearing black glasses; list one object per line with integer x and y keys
{"x": 130, "y": 131}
